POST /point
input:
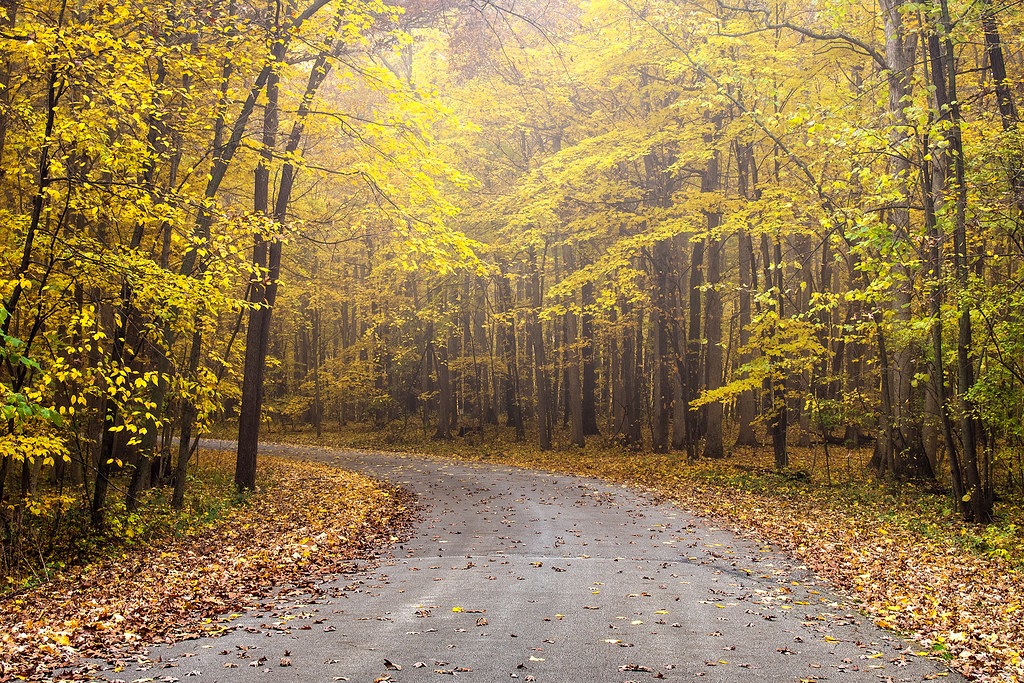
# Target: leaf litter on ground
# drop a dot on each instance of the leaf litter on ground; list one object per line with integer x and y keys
{"x": 306, "y": 521}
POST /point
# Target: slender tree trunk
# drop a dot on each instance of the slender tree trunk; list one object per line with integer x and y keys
{"x": 618, "y": 377}
{"x": 886, "y": 447}
{"x": 745, "y": 408}
{"x": 8, "y": 18}
{"x": 188, "y": 418}
{"x": 680, "y": 400}
{"x": 545, "y": 418}
{"x": 524, "y": 347}
{"x": 445, "y": 406}
{"x": 511, "y": 379}
{"x": 934, "y": 186}
{"x": 695, "y": 418}
{"x": 490, "y": 415}
{"x": 662, "y": 396}
{"x": 808, "y": 379}
{"x": 641, "y": 371}
{"x": 590, "y": 427}
{"x": 903, "y": 452}
{"x": 316, "y": 343}
{"x": 778, "y": 424}
{"x": 1004, "y": 97}
{"x": 630, "y": 429}
{"x": 858, "y": 354}
{"x": 713, "y": 442}
{"x": 572, "y": 365}
{"x": 681, "y": 421}
{"x": 471, "y": 376}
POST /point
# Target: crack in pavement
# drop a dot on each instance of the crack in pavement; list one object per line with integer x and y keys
{"x": 516, "y": 574}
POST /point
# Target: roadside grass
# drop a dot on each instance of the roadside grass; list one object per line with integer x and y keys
{"x": 895, "y": 547}
{"x": 186, "y": 574}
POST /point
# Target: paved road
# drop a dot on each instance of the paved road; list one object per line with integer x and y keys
{"x": 517, "y": 574}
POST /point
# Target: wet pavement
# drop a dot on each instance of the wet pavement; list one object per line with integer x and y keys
{"x": 520, "y": 574}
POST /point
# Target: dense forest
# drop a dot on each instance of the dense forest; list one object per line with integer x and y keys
{"x": 676, "y": 226}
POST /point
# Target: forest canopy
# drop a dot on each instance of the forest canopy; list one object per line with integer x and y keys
{"x": 674, "y": 226}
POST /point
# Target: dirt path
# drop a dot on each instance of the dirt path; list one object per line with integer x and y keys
{"x": 519, "y": 574}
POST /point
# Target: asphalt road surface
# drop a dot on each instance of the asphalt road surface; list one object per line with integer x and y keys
{"x": 515, "y": 574}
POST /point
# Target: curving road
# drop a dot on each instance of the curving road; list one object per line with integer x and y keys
{"x": 519, "y": 574}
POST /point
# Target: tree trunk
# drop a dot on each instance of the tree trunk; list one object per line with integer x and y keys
{"x": 257, "y": 339}
{"x": 1004, "y": 95}
{"x": 188, "y": 418}
{"x": 572, "y": 365}
{"x": 490, "y": 415}
{"x": 710, "y": 182}
{"x": 318, "y": 409}
{"x": 662, "y": 389}
{"x": 617, "y": 376}
{"x": 511, "y": 379}
{"x": 934, "y": 186}
{"x": 713, "y": 442}
{"x": 778, "y": 424}
{"x": 590, "y": 427}
{"x": 904, "y": 427}
{"x": 695, "y": 418}
{"x": 978, "y": 490}
{"x": 445, "y": 406}
{"x": 545, "y": 417}
{"x": 630, "y": 429}
{"x": 265, "y": 293}
{"x": 8, "y": 18}
{"x": 681, "y": 435}
{"x": 745, "y": 403}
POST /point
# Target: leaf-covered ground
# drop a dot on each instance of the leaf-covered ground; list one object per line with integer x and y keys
{"x": 955, "y": 589}
{"x": 304, "y": 521}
